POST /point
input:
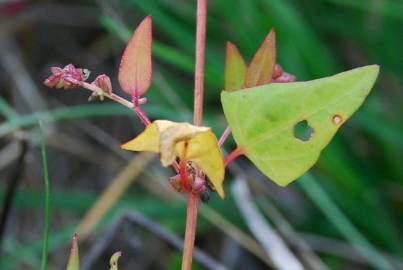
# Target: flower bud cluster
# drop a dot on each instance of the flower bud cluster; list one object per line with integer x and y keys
{"x": 279, "y": 76}
{"x": 67, "y": 77}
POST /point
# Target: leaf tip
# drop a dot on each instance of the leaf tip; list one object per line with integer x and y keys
{"x": 229, "y": 45}
{"x": 376, "y": 68}
{"x": 220, "y": 192}
{"x": 261, "y": 68}
{"x": 147, "y": 22}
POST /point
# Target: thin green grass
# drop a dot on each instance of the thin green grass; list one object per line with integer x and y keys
{"x": 79, "y": 112}
{"x": 6, "y": 110}
{"x": 330, "y": 210}
{"x": 46, "y": 195}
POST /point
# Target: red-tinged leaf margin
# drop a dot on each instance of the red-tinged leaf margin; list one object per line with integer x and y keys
{"x": 260, "y": 70}
{"x": 74, "y": 261}
{"x": 135, "y": 71}
{"x": 235, "y": 69}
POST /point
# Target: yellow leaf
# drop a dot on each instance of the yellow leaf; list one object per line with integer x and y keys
{"x": 202, "y": 149}
{"x": 186, "y": 141}
{"x": 148, "y": 140}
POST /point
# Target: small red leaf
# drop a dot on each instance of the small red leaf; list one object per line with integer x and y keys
{"x": 135, "y": 69}
{"x": 260, "y": 70}
{"x": 235, "y": 69}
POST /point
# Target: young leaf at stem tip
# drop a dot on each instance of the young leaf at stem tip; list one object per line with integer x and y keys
{"x": 74, "y": 261}
{"x": 185, "y": 141}
{"x": 135, "y": 69}
{"x": 264, "y": 119}
{"x": 235, "y": 69}
{"x": 114, "y": 260}
{"x": 260, "y": 70}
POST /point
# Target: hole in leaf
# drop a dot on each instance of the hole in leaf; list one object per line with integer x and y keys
{"x": 337, "y": 119}
{"x": 303, "y": 131}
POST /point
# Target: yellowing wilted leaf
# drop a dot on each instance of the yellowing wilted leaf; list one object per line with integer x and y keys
{"x": 135, "y": 69}
{"x": 186, "y": 141}
{"x": 260, "y": 70}
{"x": 235, "y": 69}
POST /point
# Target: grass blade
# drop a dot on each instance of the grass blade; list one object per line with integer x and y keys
{"x": 47, "y": 206}
{"x": 341, "y": 222}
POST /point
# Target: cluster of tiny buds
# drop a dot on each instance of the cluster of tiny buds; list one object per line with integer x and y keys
{"x": 66, "y": 77}
{"x": 199, "y": 184}
{"x": 71, "y": 77}
{"x": 279, "y": 76}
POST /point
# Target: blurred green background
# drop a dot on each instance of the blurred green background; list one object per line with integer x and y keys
{"x": 348, "y": 211}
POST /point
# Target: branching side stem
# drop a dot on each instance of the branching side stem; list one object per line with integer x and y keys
{"x": 140, "y": 113}
{"x": 224, "y": 136}
{"x": 112, "y": 96}
{"x": 233, "y": 155}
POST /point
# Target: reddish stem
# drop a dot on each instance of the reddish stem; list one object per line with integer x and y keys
{"x": 193, "y": 197}
{"x": 143, "y": 117}
{"x": 233, "y": 155}
{"x": 224, "y": 136}
{"x": 190, "y": 234}
{"x": 184, "y": 176}
{"x": 114, "y": 97}
{"x": 200, "y": 59}
{"x": 140, "y": 113}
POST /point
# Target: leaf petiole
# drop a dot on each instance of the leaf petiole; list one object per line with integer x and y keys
{"x": 233, "y": 155}
{"x": 140, "y": 113}
{"x": 224, "y": 136}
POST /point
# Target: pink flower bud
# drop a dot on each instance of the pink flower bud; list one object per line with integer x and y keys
{"x": 277, "y": 71}
{"x": 71, "y": 71}
{"x": 52, "y": 81}
{"x": 199, "y": 185}
{"x": 70, "y": 83}
{"x": 176, "y": 183}
{"x": 56, "y": 70}
{"x": 103, "y": 82}
{"x": 285, "y": 78}
{"x": 68, "y": 78}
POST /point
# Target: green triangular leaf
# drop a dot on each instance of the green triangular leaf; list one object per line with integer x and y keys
{"x": 235, "y": 69}
{"x": 263, "y": 119}
{"x": 74, "y": 261}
